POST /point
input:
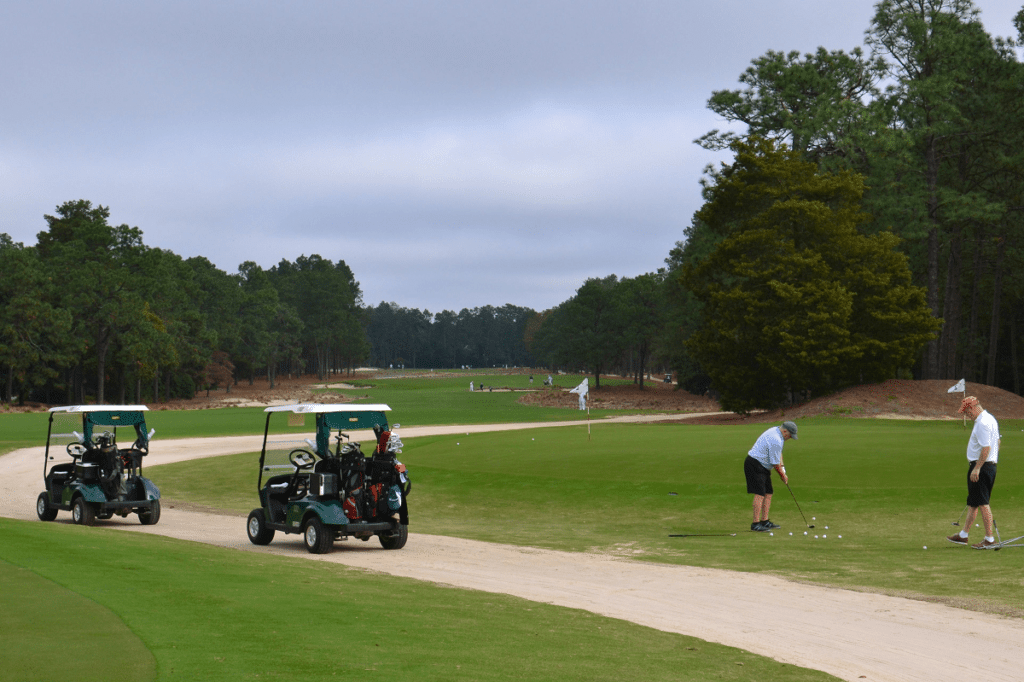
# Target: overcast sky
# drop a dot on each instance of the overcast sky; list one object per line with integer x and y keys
{"x": 454, "y": 154}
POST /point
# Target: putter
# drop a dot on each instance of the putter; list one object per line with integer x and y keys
{"x": 702, "y": 535}
{"x": 809, "y": 525}
{"x": 959, "y": 518}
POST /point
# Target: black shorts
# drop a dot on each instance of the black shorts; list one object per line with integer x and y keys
{"x": 979, "y": 493}
{"x": 759, "y": 479}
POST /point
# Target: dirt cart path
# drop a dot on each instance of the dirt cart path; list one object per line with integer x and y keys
{"x": 848, "y": 634}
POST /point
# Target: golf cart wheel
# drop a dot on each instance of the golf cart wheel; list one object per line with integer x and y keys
{"x": 396, "y": 539}
{"x": 256, "y": 527}
{"x": 82, "y": 512}
{"x": 318, "y": 538}
{"x": 43, "y": 509}
{"x": 148, "y": 517}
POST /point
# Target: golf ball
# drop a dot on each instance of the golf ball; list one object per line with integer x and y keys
{"x": 826, "y": 527}
{"x": 790, "y": 533}
{"x": 824, "y": 536}
{"x": 814, "y": 518}
{"x": 840, "y": 537}
{"x": 771, "y": 533}
{"x": 805, "y": 532}
{"x": 815, "y": 537}
{"x": 926, "y": 546}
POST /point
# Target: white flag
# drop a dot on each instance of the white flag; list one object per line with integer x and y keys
{"x": 960, "y": 387}
{"x": 582, "y": 389}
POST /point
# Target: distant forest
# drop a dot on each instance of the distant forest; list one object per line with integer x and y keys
{"x": 869, "y": 225}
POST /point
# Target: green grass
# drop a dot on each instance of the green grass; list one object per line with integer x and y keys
{"x": 888, "y": 487}
{"x": 22, "y": 430}
{"x": 37, "y": 610}
{"x": 443, "y": 399}
{"x": 207, "y": 613}
{"x": 446, "y": 399}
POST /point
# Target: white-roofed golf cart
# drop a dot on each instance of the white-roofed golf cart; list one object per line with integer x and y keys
{"x": 330, "y": 493}
{"x": 97, "y": 478}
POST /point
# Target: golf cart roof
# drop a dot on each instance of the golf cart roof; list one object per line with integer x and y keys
{"x": 316, "y": 408}
{"x": 100, "y": 408}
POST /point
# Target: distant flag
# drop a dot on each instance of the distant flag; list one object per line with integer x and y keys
{"x": 960, "y": 387}
{"x": 582, "y": 389}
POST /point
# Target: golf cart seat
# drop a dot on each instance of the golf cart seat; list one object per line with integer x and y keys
{"x": 299, "y": 487}
{"x": 60, "y": 473}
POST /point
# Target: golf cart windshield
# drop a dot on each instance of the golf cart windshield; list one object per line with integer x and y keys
{"x": 93, "y": 419}
{"x": 281, "y": 453}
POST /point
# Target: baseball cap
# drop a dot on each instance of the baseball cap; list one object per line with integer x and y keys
{"x": 791, "y": 427}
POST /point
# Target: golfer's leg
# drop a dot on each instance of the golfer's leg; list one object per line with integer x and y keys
{"x": 972, "y": 513}
{"x": 766, "y": 508}
{"x": 986, "y": 515}
{"x": 758, "y": 503}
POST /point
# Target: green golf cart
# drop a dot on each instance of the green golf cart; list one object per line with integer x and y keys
{"x": 331, "y": 491}
{"x": 101, "y": 479}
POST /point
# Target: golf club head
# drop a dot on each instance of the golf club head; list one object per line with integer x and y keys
{"x": 956, "y": 523}
{"x": 811, "y": 526}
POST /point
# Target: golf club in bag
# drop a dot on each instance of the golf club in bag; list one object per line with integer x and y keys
{"x": 809, "y": 525}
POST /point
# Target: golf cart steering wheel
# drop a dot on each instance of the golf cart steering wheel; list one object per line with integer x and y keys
{"x": 76, "y": 450}
{"x": 302, "y": 459}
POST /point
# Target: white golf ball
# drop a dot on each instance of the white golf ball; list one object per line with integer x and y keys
{"x": 824, "y": 536}
{"x": 771, "y": 533}
{"x": 840, "y": 537}
{"x": 814, "y": 518}
{"x": 926, "y": 546}
{"x": 790, "y": 533}
{"x": 815, "y": 537}
{"x": 805, "y": 532}
{"x": 826, "y": 527}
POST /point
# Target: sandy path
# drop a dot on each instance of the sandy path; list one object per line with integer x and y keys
{"x": 848, "y": 634}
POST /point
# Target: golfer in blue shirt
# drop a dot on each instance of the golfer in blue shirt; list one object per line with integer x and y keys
{"x": 762, "y": 458}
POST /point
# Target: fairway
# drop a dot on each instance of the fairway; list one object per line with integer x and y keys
{"x": 627, "y": 487}
{"x": 620, "y": 490}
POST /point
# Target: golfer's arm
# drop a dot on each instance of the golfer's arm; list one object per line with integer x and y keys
{"x": 983, "y": 456}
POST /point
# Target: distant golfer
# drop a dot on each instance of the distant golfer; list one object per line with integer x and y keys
{"x": 762, "y": 458}
{"x": 982, "y": 455}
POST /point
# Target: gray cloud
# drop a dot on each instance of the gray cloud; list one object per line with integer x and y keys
{"x": 454, "y": 154}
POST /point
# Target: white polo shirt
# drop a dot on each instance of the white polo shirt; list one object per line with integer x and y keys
{"x": 985, "y": 433}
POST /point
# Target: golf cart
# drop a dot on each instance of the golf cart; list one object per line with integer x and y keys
{"x": 332, "y": 494}
{"x": 102, "y": 479}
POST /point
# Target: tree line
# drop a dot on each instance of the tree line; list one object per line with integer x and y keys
{"x": 479, "y": 337}
{"x": 869, "y": 226}
{"x": 92, "y": 313}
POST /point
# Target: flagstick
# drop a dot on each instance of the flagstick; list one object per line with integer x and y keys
{"x": 588, "y": 420}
